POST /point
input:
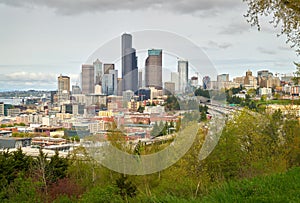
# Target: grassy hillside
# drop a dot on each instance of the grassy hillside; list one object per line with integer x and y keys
{"x": 283, "y": 187}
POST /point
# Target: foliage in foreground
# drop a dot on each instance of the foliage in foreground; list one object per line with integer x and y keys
{"x": 251, "y": 145}
{"x": 283, "y": 187}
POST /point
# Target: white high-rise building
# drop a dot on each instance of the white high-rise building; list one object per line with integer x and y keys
{"x": 1, "y": 109}
{"x": 174, "y": 79}
{"x": 98, "y": 72}
{"x": 183, "y": 75}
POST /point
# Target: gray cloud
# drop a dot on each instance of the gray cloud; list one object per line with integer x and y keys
{"x": 235, "y": 28}
{"x": 26, "y": 80}
{"x": 285, "y": 48}
{"x": 266, "y": 51}
{"x": 31, "y": 80}
{"x": 213, "y": 44}
{"x": 67, "y": 7}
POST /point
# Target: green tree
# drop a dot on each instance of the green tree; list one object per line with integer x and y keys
{"x": 116, "y": 137}
{"x": 172, "y": 103}
{"x": 22, "y": 190}
{"x": 108, "y": 194}
{"x": 126, "y": 188}
{"x": 203, "y": 93}
{"x": 203, "y": 116}
{"x": 141, "y": 109}
{"x": 57, "y": 168}
{"x": 296, "y": 78}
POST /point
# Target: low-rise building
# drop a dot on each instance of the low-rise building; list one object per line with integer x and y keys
{"x": 154, "y": 109}
{"x": 295, "y": 90}
{"x": 5, "y": 133}
{"x": 47, "y": 141}
{"x": 265, "y": 91}
{"x": 13, "y": 142}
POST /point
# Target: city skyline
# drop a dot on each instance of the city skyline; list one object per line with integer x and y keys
{"x": 51, "y": 42}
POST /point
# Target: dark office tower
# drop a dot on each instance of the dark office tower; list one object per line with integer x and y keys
{"x": 98, "y": 72}
{"x": 129, "y": 64}
{"x": 108, "y": 67}
{"x": 153, "y": 70}
{"x": 88, "y": 79}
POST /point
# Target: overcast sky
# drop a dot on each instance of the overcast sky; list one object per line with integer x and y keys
{"x": 40, "y": 39}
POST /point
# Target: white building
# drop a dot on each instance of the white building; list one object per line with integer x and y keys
{"x": 183, "y": 75}
{"x": 174, "y": 79}
{"x": 1, "y": 109}
{"x": 154, "y": 109}
{"x": 265, "y": 91}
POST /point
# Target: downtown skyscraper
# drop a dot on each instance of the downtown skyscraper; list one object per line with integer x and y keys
{"x": 63, "y": 88}
{"x": 129, "y": 64}
{"x": 183, "y": 74}
{"x": 153, "y": 70}
{"x": 98, "y": 72}
{"x": 88, "y": 79}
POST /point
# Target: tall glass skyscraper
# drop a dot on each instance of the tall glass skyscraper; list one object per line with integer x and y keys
{"x": 129, "y": 64}
{"x": 110, "y": 83}
{"x": 98, "y": 72}
{"x": 153, "y": 70}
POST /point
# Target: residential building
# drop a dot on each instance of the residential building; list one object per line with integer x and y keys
{"x": 13, "y": 112}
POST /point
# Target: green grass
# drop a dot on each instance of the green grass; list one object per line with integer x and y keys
{"x": 283, "y": 187}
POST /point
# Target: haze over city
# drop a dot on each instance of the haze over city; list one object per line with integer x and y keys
{"x": 41, "y": 40}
